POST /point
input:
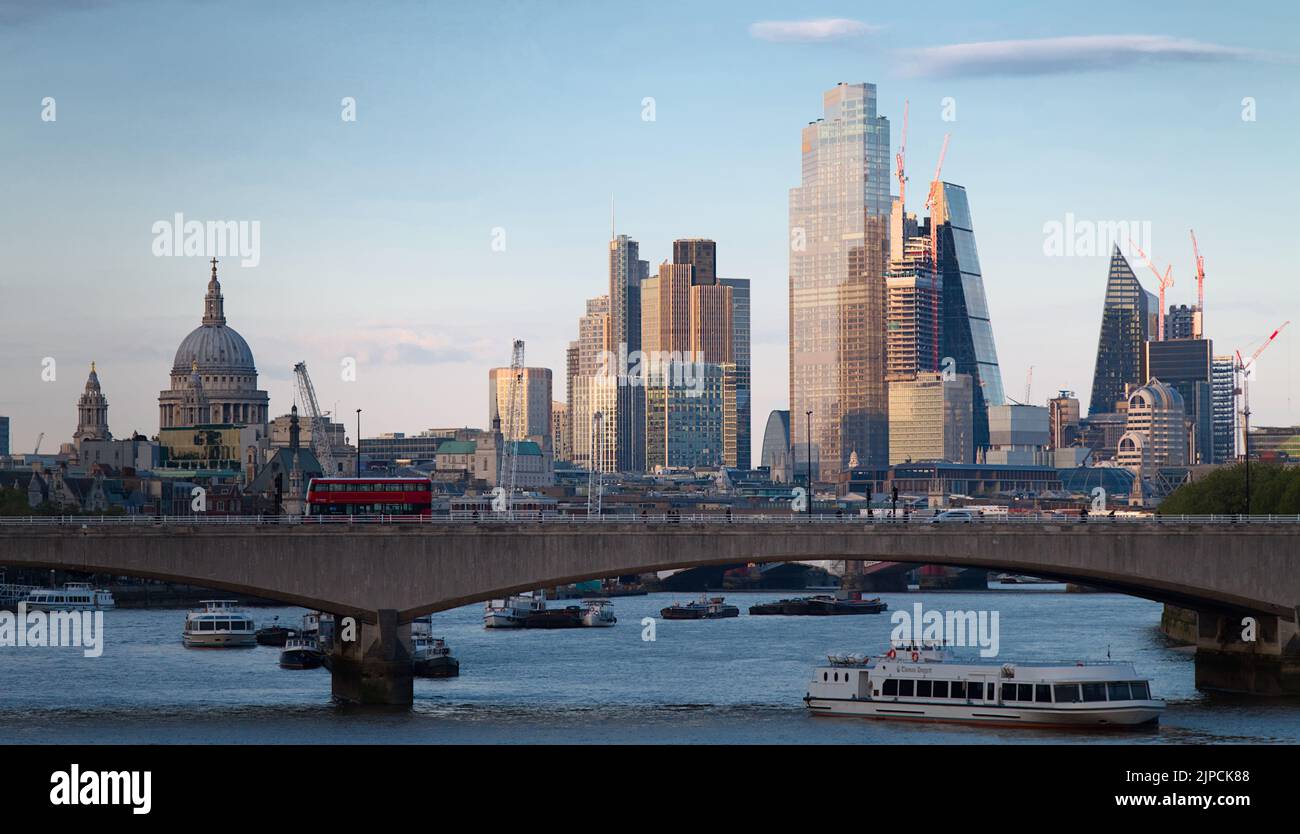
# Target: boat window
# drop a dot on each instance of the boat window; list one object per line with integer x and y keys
{"x": 1094, "y": 692}
{"x": 988, "y": 695}
{"x": 1043, "y": 693}
{"x": 1118, "y": 691}
{"x": 891, "y": 686}
{"x": 959, "y": 689}
{"x": 1066, "y": 693}
{"x": 905, "y": 687}
{"x": 837, "y": 677}
{"x": 1026, "y": 692}
{"x": 923, "y": 689}
{"x": 825, "y": 676}
{"x": 205, "y": 625}
{"x": 941, "y": 689}
{"x": 1140, "y": 690}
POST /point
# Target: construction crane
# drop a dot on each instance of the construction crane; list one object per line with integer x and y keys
{"x": 1166, "y": 281}
{"x": 595, "y": 481}
{"x": 508, "y": 470}
{"x": 317, "y": 422}
{"x": 931, "y": 201}
{"x": 1198, "y": 319}
{"x": 1029, "y": 382}
{"x": 1245, "y": 368}
{"x": 898, "y": 159}
{"x": 38, "y": 444}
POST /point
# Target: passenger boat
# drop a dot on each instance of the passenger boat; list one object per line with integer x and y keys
{"x": 219, "y": 625}
{"x": 274, "y": 634}
{"x": 73, "y": 596}
{"x": 929, "y": 684}
{"x": 599, "y": 613}
{"x": 430, "y": 656}
{"x": 704, "y": 608}
{"x": 300, "y": 653}
{"x": 511, "y": 611}
{"x": 820, "y": 605}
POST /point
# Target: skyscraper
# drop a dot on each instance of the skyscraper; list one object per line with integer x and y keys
{"x": 1125, "y": 326}
{"x": 535, "y": 400}
{"x": 1225, "y": 409}
{"x": 1185, "y": 365}
{"x": 740, "y": 356}
{"x": 839, "y": 246}
{"x": 595, "y": 390}
{"x": 931, "y": 419}
{"x": 4, "y": 435}
{"x": 967, "y": 330}
{"x": 626, "y": 272}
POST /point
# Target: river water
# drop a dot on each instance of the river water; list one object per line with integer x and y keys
{"x": 720, "y": 681}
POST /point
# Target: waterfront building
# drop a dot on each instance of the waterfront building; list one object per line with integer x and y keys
{"x": 213, "y": 377}
{"x": 775, "y": 456}
{"x": 839, "y": 246}
{"x": 1223, "y": 382}
{"x": 626, "y": 272}
{"x": 1125, "y": 327}
{"x": 967, "y": 334}
{"x": 92, "y": 412}
{"x": 1186, "y": 365}
{"x": 535, "y": 400}
{"x": 931, "y": 419}
{"x": 1155, "y": 432}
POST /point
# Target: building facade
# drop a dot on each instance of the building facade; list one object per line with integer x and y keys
{"x": 741, "y": 358}
{"x": 92, "y": 412}
{"x": 1187, "y": 365}
{"x": 1225, "y": 408}
{"x": 839, "y": 246}
{"x": 776, "y": 448}
{"x": 1155, "y": 430}
{"x": 931, "y": 419}
{"x": 534, "y": 400}
{"x": 626, "y": 272}
{"x": 1125, "y": 327}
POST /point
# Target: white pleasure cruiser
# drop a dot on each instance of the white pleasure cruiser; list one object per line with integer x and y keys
{"x": 73, "y": 596}
{"x": 927, "y": 683}
{"x": 511, "y": 611}
{"x": 219, "y": 625}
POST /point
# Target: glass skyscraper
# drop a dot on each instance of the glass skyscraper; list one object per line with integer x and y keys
{"x": 839, "y": 248}
{"x": 740, "y": 354}
{"x": 1125, "y": 325}
{"x": 626, "y": 272}
{"x": 967, "y": 330}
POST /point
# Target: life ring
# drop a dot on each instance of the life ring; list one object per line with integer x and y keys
{"x": 892, "y": 654}
{"x": 916, "y": 656}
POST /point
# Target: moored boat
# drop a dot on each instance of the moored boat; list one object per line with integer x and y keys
{"x": 73, "y": 596}
{"x": 431, "y": 657}
{"x": 929, "y": 684}
{"x": 568, "y": 617}
{"x": 704, "y": 608}
{"x": 511, "y": 611}
{"x": 821, "y": 605}
{"x": 599, "y": 613}
{"x": 274, "y": 634}
{"x": 219, "y": 625}
{"x": 301, "y": 653}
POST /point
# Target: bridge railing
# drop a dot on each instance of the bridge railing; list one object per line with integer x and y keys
{"x": 669, "y": 519}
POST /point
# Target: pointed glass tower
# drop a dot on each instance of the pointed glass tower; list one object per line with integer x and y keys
{"x": 1125, "y": 325}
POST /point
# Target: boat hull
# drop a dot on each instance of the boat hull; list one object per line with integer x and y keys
{"x": 301, "y": 659}
{"x": 211, "y": 640}
{"x": 677, "y": 614}
{"x": 436, "y": 667}
{"x": 1136, "y": 714}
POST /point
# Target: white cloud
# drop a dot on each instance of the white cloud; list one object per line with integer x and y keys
{"x": 820, "y": 30}
{"x": 1048, "y": 56}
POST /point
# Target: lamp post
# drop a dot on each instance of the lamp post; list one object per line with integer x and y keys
{"x": 808, "y": 415}
{"x": 358, "y": 474}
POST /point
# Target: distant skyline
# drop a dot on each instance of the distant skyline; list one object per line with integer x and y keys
{"x": 513, "y": 124}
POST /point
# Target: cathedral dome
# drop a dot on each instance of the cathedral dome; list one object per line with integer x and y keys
{"x": 217, "y": 348}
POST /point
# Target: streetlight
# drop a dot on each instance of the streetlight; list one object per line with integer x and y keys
{"x": 808, "y": 414}
{"x": 358, "y": 443}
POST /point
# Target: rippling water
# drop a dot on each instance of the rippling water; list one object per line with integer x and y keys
{"x": 722, "y": 681}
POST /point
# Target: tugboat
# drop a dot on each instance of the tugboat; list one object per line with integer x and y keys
{"x": 705, "y": 608}
{"x": 927, "y": 683}
{"x": 300, "y": 653}
{"x": 821, "y": 604}
{"x": 274, "y": 634}
{"x": 430, "y": 656}
{"x": 599, "y": 613}
{"x": 220, "y": 625}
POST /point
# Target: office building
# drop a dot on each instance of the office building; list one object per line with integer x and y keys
{"x": 560, "y": 431}
{"x": 1063, "y": 420}
{"x": 1125, "y": 328}
{"x": 4, "y": 435}
{"x": 1155, "y": 432}
{"x": 931, "y": 419}
{"x": 1223, "y": 383}
{"x": 1186, "y": 365}
{"x": 533, "y": 399}
{"x": 741, "y": 358}
{"x": 685, "y": 416}
{"x": 839, "y": 247}
{"x": 626, "y": 272}
{"x": 1019, "y": 435}
{"x": 776, "y": 448}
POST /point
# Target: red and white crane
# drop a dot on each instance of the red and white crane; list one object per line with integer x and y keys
{"x": 1245, "y": 367}
{"x": 1166, "y": 281}
{"x": 1198, "y": 320}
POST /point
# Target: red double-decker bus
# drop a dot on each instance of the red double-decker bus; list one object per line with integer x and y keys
{"x": 370, "y": 496}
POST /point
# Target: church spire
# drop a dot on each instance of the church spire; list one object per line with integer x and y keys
{"x": 213, "y": 304}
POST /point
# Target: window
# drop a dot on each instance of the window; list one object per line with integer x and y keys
{"x": 1140, "y": 690}
{"x": 923, "y": 689}
{"x": 1008, "y": 692}
{"x": 905, "y": 687}
{"x": 1066, "y": 693}
{"x": 891, "y": 686}
{"x": 959, "y": 689}
{"x": 1118, "y": 691}
{"x": 1094, "y": 692}
{"x": 988, "y": 695}
{"x": 1043, "y": 693}
{"x": 941, "y": 689}
{"x": 1026, "y": 692}
{"x": 825, "y": 676}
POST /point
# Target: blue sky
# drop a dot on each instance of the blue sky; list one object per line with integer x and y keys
{"x": 376, "y": 235}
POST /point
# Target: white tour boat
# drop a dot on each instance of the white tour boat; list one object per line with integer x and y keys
{"x": 73, "y": 596}
{"x": 598, "y": 613}
{"x": 219, "y": 625}
{"x": 929, "y": 684}
{"x": 511, "y": 611}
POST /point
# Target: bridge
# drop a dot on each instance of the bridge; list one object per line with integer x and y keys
{"x": 386, "y": 572}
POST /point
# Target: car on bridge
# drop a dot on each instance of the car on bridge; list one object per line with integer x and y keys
{"x": 955, "y": 517}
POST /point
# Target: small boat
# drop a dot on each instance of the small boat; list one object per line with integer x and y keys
{"x": 705, "y": 608}
{"x": 300, "y": 653}
{"x": 821, "y": 605}
{"x": 511, "y": 611}
{"x": 274, "y": 634}
{"x": 219, "y": 625}
{"x": 568, "y": 617}
{"x": 927, "y": 683}
{"x": 430, "y": 656}
{"x": 73, "y": 596}
{"x": 599, "y": 613}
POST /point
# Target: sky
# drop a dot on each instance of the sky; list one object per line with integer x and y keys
{"x": 468, "y": 202}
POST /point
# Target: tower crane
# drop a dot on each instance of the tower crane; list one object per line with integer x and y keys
{"x": 1198, "y": 320}
{"x": 898, "y": 159}
{"x": 931, "y": 201}
{"x": 508, "y": 470}
{"x": 1245, "y": 369}
{"x": 38, "y": 443}
{"x": 1166, "y": 281}
{"x": 320, "y": 436}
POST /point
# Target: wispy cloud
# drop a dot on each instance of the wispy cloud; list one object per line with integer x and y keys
{"x": 1053, "y": 56}
{"x": 820, "y": 30}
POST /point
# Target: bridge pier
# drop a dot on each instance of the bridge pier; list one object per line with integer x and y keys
{"x": 1270, "y": 665}
{"x": 374, "y": 668}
